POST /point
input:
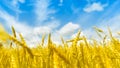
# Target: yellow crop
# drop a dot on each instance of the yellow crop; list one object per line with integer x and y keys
{"x": 86, "y": 54}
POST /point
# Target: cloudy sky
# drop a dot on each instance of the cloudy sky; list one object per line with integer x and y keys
{"x": 33, "y": 18}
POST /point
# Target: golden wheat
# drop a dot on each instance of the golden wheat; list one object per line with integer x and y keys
{"x": 76, "y": 55}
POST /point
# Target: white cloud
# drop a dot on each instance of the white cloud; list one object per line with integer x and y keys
{"x": 16, "y": 2}
{"x": 68, "y": 29}
{"x": 61, "y": 2}
{"x": 42, "y": 11}
{"x": 113, "y": 23}
{"x": 94, "y": 7}
{"x": 109, "y": 18}
{"x": 19, "y": 27}
{"x": 22, "y": 1}
{"x": 42, "y": 30}
{"x": 90, "y": 33}
{"x": 10, "y": 20}
{"x": 14, "y": 5}
{"x": 47, "y": 28}
{"x": 53, "y": 24}
{"x": 30, "y": 33}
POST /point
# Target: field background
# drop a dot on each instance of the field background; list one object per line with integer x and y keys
{"x": 59, "y": 34}
{"x": 15, "y": 53}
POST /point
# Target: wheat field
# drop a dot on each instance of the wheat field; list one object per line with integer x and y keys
{"x": 105, "y": 54}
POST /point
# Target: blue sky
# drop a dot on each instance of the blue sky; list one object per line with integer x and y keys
{"x": 59, "y": 17}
